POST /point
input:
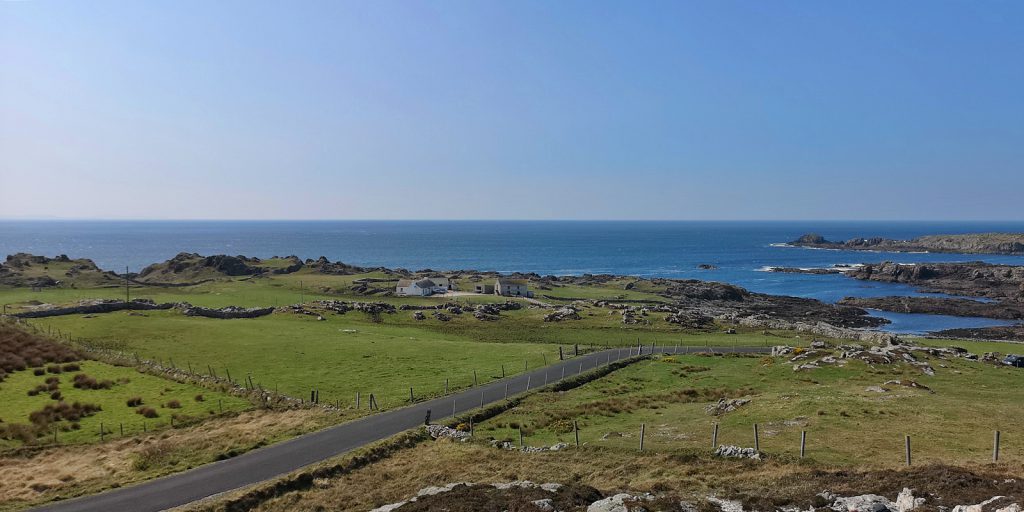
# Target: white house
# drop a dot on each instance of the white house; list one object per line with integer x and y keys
{"x": 511, "y": 287}
{"x": 424, "y": 287}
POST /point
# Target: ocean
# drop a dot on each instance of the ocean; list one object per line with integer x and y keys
{"x": 740, "y": 250}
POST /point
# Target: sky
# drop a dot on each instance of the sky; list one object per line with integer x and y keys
{"x": 512, "y": 110}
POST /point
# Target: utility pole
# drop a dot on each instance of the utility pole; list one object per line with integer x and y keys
{"x": 127, "y": 294}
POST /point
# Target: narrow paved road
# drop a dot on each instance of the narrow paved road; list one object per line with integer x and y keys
{"x": 276, "y": 460}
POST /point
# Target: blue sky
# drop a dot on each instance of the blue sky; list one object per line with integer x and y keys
{"x": 523, "y": 110}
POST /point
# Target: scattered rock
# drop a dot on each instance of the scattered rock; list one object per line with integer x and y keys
{"x": 726, "y": 405}
{"x": 736, "y": 452}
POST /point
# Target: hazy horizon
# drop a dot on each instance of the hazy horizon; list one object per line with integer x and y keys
{"x": 511, "y": 111}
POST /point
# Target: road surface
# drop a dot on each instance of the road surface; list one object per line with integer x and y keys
{"x": 281, "y": 458}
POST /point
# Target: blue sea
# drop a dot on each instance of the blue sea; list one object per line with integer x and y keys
{"x": 740, "y": 249}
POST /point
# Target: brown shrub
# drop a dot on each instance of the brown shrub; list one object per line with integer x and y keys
{"x": 134, "y": 401}
{"x": 38, "y": 371}
{"x": 53, "y": 368}
{"x": 147, "y": 412}
{"x": 55, "y": 395}
{"x": 83, "y": 381}
{"x": 200, "y": 398}
{"x": 72, "y": 367}
{"x": 173, "y": 404}
{"x": 20, "y": 350}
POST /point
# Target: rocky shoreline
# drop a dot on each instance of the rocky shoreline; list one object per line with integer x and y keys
{"x": 940, "y": 306}
{"x": 978, "y": 243}
{"x": 972, "y": 279}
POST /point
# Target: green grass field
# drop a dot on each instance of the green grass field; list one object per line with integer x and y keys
{"x": 155, "y": 392}
{"x": 846, "y": 423}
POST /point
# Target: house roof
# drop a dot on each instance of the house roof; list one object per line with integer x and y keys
{"x": 424, "y": 283}
{"x": 404, "y": 283}
{"x": 505, "y": 281}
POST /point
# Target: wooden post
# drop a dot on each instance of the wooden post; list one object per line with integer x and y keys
{"x": 545, "y": 356}
{"x": 528, "y": 377}
{"x": 560, "y": 355}
{"x": 643, "y": 428}
{"x": 803, "y": 443}
{"x": 453, "y": 407}
{"x": 576, "y": 430}
{"x": 757, "y": 440}
{"x": 357, "y": 400}
{"x": 101, "y": 431}
{"x": 122, "y": 428}
{"x": 908, "y": 449}
{"x": 714, "y": 436}
{"x": 411, "y": 398}
{"x": 446, "y": 385}
{"x": 190, "y": 372}
{"x": 506, "y": 390}
{"x": 474, "y": 378}
{"x": 521, "y": 444}
{"x": 526, "y": 365}
{"x": 576, "y": 349}
{"x": 995, "y": 447}
{"x": 503, "y": 371}
{"x": 228, "y": 372}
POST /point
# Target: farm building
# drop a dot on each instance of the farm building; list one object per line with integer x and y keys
{"x": 424, "y": 287}
{"x": 511, "y": 287}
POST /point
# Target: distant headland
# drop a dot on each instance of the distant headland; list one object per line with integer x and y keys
{"x": 976, "y": 243}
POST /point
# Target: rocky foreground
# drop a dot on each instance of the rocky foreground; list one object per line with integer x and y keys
{"x": 979, "y": 243}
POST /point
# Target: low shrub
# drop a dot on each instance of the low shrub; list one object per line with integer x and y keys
{"x": 55, "y": 395}
{"x": 83, "y": 381}
{"x": 53, "y": 369}
{"x": 147, "y": 412}
{"x": 134, "y": 401}
{"x": 38, "y": 371}
{"x": 71, "y": 367}
{"x": 199, "y": 398}
{"x": 173, "y": 404}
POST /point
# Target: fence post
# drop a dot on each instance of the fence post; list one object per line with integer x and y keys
{"x": 357, "y": 400}
{"x": 446, "y": 386}
{"x": 503, "y": 371}
{"x": 908, "y": 449}
{"x": 453, "y": 407}
{"x": 642, "y": 429}
{"x": 560, "y": 355}
{"x": 474, "y": 378}
{"x": 528, "y": 378}
{"x": 757, "y": 440}
{"x": 506, "y": 391}
{"x": 714, "y": 436}
{"x": 521, "y": 445}
{"x": 576, "y": 430}
{"x": 101, "y": 431}
{"x": 803, "y": 443}
{"x": 995, "y": 447}
{"x": 411, "y": 396}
